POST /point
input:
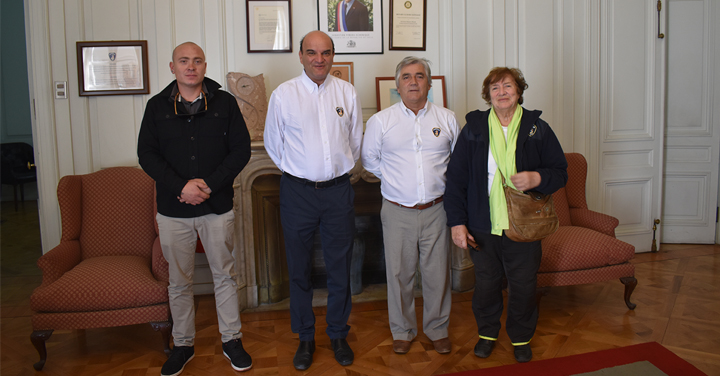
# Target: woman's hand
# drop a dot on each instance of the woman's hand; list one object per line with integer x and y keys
{"x": 461, "y": 237}
{"x": 526, "y": 180}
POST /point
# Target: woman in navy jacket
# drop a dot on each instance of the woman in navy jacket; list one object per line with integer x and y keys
{"x": 509, "y": 139}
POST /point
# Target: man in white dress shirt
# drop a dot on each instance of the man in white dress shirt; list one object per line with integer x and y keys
{"x": 408, "y": 147}
{"x": 313, "y": 133}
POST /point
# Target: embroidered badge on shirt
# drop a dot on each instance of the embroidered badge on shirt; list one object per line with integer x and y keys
{"x": 340, "y": 111}
{"x": 436, "y": 132}
{"x": 532, "y": 131}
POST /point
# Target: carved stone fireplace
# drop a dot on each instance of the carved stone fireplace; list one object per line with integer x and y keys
{"x": 249, "y": 291}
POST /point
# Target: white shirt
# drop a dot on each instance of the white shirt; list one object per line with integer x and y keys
{"x": 314, "y": 132}
{"x": 410, "y": 153}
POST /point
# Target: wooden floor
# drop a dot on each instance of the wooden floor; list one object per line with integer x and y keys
{"x": 678, "y": 305}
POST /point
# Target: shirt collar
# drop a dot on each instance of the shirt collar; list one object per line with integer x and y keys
{"x": 348, "y": 5}
{"x": 175, "y": 90}
{"x": 310, "y": 84}
{"x": 409, "y": 112}
{"x": 181, "y": 99}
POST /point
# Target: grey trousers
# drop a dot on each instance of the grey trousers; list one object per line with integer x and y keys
{"x": 417, "y": 237}
{"x": 178, "y": 238}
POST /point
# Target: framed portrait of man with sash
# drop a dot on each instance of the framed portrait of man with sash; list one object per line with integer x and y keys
{"x": 354, "y": 25}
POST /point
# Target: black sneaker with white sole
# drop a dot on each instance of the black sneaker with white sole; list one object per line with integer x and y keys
{"x": 179, "y": 357}
{"x": 239, "y": 358}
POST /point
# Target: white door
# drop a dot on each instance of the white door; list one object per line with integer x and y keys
{"x": 691, "y": 136}
{"x": 631, "y": 117}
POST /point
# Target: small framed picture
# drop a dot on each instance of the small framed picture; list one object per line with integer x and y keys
{"x": 269, "y": 26}
{"x": 343, "y": 71}
{"x": 408, "y": 24}
{"x": 355, "y": 26}
{"x": 387, "y": 94}
{"x": 112, "y": 67}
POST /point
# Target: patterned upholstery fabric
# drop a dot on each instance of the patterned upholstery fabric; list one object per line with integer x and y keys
{"x": 561, "y": 207}
{"x": 577, "y": 176}
{"x": 69, "y": 197}
{"x": 584, "y": 249}
{"x": 103, "y": 194}
{"x": 93, "y": 285}
{"x": 577, "y": 248}
{"x": 108, "y": 269}
{"x": 580, "y": 277}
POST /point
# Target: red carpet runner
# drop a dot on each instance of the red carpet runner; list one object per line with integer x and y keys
{"x": 653, "y": 352}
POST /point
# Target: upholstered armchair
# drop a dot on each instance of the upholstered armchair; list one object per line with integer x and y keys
{"x": 584, "y": 249}
{"x": 108, "y": 269}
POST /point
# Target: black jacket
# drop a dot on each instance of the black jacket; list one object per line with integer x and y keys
{"x": 213, "y": 145}
{"x": 466, "y": 193}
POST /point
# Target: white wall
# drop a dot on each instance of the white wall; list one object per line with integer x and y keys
{"x": 554, "y": 42}
{"x": 83, "y": 134}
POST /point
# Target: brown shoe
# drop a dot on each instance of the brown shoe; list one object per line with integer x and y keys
{"x": 442, "y": 346}
{"x": 400, "y": 346}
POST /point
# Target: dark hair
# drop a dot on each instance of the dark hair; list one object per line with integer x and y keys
{"x": 497, "y": 74}
{"x": 303, "y": 39}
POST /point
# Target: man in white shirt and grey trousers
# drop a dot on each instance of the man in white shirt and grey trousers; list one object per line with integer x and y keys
{"x": 313, "y": 133}
{"x": 408, "y": 146}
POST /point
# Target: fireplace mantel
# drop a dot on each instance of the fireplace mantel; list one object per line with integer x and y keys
{"x": 261, "y": 164}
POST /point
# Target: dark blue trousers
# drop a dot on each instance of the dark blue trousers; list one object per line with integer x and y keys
{"x": 303, "y": 209}
{"x": 519, "y": 262}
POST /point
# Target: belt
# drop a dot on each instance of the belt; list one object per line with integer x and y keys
{"x": 419, "y": 206}
{"x": 319, "y": 184}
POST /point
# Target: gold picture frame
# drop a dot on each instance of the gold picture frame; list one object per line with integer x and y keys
{"x": 344, "y": 71}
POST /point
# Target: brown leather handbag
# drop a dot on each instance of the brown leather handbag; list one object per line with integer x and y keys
{"x": 531, "y": 215}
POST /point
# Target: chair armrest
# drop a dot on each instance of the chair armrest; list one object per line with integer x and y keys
{"x": 593, "y": 220}
{"x": 159, "y": 264}
{"x": 59, "y": 261}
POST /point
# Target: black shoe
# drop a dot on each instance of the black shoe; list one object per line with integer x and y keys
{"x": 240, "y": 360}
{"x": 179, "y": 357}
{"x": 343, "y": 353}
{"x": 523, "y": 353}
{"x": 484, "y": 347}
{"x": 304, "y": 355}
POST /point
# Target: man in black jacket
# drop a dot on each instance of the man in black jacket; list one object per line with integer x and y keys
{"x": 193, "y": 142}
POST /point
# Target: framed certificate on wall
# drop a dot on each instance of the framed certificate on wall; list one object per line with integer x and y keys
{"x": 269, "y": 26}
{"x": 408, "y": 24}
{"x": 112, "y": 67}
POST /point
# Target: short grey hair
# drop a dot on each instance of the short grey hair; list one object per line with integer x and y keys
{"x": 410, "y": 60}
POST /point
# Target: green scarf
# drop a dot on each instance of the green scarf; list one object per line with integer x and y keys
{"x": 504, "y": 154}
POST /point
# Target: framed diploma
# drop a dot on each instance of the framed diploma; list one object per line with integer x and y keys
{"x": 269, "y": 26}
{"x": 407, "y": 24}
{"x": 343, "y": 71}
{"x": 355, "y": 26}
{"x": 112, "y": 68}
{"x": 387, "y": 94}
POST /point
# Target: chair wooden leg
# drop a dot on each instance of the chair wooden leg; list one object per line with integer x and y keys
{"x": 164, "y": 328}
{"x": 630, "y": 283}
{"x": 15, "y": 196}
{"x": 38, "y": 338}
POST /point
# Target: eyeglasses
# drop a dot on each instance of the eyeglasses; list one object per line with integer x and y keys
{"x": 178, "y": 95}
